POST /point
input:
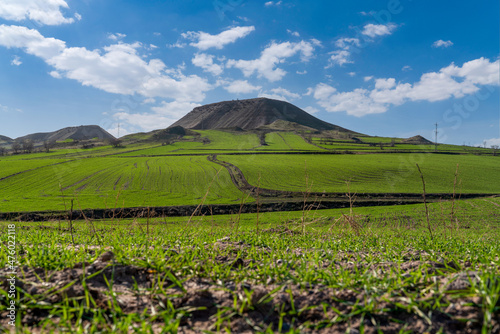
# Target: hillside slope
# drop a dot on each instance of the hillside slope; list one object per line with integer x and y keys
{"x": 250, "y": 114}
{"x": 83, "y": 132}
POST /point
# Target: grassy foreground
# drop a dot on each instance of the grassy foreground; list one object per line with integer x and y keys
{"x": 368, "y": 271}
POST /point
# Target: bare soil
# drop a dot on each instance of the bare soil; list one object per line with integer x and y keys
{"x": 137, "y": 290}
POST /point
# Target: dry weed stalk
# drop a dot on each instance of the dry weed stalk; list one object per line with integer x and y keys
{"x": 425, "y": 202}
{"x": 351, "y": 219}
{"x": 87, "y": 220}
{"x": 70, "y": 216}
{"x": 306, "y": 208}
{"x": 452, "y": 215}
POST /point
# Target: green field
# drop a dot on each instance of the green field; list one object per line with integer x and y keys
{"x": 109, "y": 182}
{"x": 372, "y": 173}
{"x": 378, "y": 271}
{"x": 150, "y": 173}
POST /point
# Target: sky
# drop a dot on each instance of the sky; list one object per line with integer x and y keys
{"x": 383, "y": 68}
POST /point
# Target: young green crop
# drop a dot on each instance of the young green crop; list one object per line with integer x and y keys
{"x": 377, "y": 173}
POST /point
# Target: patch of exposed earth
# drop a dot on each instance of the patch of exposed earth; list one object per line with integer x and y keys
{"x": 248, "y": 306}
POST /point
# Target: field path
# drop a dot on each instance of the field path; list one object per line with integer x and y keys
{"x": 242, "y": 184}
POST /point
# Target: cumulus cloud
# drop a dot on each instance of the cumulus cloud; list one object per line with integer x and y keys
{"x": 161, "y": 117}
{"x": 442, "y": 44}
{"x": 345, "y": 43}
{"x": 374, "y": 30}
{"x": 16, "y": 61}
{"x": 274, "y": 54}
{"x": 205, "y": 41}
{"x": 206, "y": 62}
{"x": 293, "y": 33}
{"x": 47, "y": 12}
{"x": 118, "y": 68}
{"x": 285, "y": 92}
{"x": 339, "y": 57}
{"x": 241, "y": 87}
{"x": 117, "y": 36}
{"x": 451, "y": 81}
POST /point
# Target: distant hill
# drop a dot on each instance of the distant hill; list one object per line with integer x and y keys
{"x": 251, "y": 114}
{"x": 83, "y": 132}
{"x": 417, "y": 140}
{"x": 6, "y": 139}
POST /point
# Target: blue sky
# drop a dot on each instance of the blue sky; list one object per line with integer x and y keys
{"x": 386, "y": 68}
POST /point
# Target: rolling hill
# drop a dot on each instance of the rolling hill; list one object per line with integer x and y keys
{"x": 251, "y": 114}
{"x": 5, "y": 139}
{"x": 83, "y": 132}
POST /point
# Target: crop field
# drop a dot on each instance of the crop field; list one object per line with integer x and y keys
{"x": 374, "y": 173}
{"x": 109, "y": 182}
{"x": 286, "y": 141}
{"x": 229, "y": 140}
{"x": 371, "y": 270}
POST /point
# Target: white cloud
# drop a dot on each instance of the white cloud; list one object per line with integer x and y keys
{"x": 149, "y": 100}
{"x": 273, "y": 3}
{"x": 206, "y": 41}
{"x": 346, "y": 43}
{"x": 442, "y": 44}
{"x": 301, "y": 72}
{"x": 47, "y": 12}
{"x": 368, "y": 78}
{"x": 492, "y": 141}
{"x": 450, "y": 81}
{"x": 274, "y": 54}
{"x": 31, "y": 40}
{"x": 241, "y": 87}
{"x": 293, "y": 33}
{"x": 285, "y": 92}
{"x": 16, "y": 61}
{"x": 406, "y": 68}
{"x": 117, "y": 36}
{"x": 206, "y": 62}
{"x": 162, "y": 116}
{"x": 55, "y": 74}
{"x": 374, "y": 30}
{"x": 316, "y": 42}
{"x": 351, "y": 74}
{"x": 339, "y": 57}
{"x": 370, "y": 13}
{"x": 385, "y": 83}
{"x": 273, "y": 96}
{"x": 78, "y": 17}
{"x": 116, "y": 69}
{"x": 311, "y": 110}
{"x": 177, "y": 44}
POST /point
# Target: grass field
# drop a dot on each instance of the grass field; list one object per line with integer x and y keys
{"x": 377, "y": 173}
{"x": 378, "y": 270}
{"x": 109, "y": 182}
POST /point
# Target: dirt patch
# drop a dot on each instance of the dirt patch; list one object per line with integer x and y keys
{"x": 247, "y": 307}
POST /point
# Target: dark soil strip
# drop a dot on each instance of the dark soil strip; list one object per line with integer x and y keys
{"x": 218, "y": 209}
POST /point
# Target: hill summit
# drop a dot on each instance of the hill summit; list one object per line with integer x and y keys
{"x": 251, "y": 114}
{"x": 83, "y": 132}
